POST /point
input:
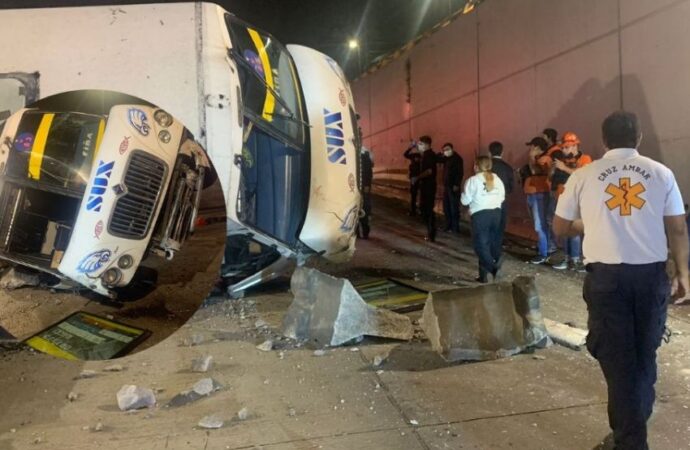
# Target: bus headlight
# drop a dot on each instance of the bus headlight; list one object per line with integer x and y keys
{"x": 111, "y": 277}
{"x": 125, "y": 262}
{"x": 162, "y": 118}
{"x": 164, "y": 136}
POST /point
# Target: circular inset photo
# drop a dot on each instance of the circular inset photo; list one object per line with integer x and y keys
{"x": 112, "y": 225}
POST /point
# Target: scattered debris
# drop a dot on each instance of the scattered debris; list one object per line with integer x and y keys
{"x": 485, "y": 322}
{"x": 72, "y": 396}
{"x": 330, "y": 312}
{"x": 84, "y": 374}
{"x": 292, "y": 412}
{"x": 211, "y": 422}
{"x": 114, "y": 368}
{"x": 539, "y": 357}
{"x": 202, "y": 364}
{"x": 259, "y": 324}
{"x": 15, "y": 279}
{"x": 379, "y": 359}
{"x": 131, "y": 397}
{"x": 202, "y": 388}
{"x": 319, "y": 352}
{"x": 99, "y": 426}
{"x": 243, "y": 414}
{"x": 565, "y": 335}
{"x": 267, "y": 346}
{"x": 414, "y": 422}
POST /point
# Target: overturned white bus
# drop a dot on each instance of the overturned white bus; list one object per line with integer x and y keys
{"x": 278, "y": 122}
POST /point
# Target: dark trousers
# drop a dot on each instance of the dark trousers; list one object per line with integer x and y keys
{"x": 414, "y": 190}
{"x": 426, "y": 207}
{"x": 502, "y": 224}
{"x": 451, "y": 209}
{"x": 364, "y": 227}
{"x": 627, "y": 317}
{"x": 485, "y": 230}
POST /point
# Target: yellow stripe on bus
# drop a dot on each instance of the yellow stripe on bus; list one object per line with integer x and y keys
{"x": 36, "y": 158}
{"x": 99, "y": 138}
{"x": 48, "y": 347}
{"x": 270, "y": 103}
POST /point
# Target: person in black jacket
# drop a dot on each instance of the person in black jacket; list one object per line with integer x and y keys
{"x": 415, "y": 158}
{"x": 505, "y": 173}
{"x": 452, "y": 186}
{"x": 367, "y": 170}
{"x": 427, "y": 186}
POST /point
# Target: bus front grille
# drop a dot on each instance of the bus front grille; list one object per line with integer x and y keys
{"x": 134, "y": 211}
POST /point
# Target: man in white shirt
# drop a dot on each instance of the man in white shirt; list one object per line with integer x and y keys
{"x": 631, "y": 211}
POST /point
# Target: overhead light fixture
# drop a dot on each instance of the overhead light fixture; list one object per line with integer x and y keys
{"x": 470, "y": 5}
{"x": 353, "y": 43}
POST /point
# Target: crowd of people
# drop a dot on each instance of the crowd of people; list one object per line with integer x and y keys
{"x": 635, "y": 207}
{"x": 551, "y": 161}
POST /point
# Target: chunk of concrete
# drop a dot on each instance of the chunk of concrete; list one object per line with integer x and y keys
{"x": 14, "y": 279}
{"x": 202, "y": 388}
{"x": 131, "y": 397}
{"x": 202, "y": 364}
{"x": 566, "y": 335}
{"x": 485, "y": 322}
{"x": 211, "y": 422}
{"x": 330, "y": 312}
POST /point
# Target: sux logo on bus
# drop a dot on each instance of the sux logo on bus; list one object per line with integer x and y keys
{"x": 100, "y": 184}
{"x": 335, "y": 137}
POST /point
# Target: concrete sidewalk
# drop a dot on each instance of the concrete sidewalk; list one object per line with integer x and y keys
{"x": 297, "y": 400}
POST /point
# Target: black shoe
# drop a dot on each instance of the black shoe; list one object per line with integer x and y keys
{"x": 481, "y": 280}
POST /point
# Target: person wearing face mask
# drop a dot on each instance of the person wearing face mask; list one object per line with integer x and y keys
{"x": 563, "y": 163}
{"x": 452, "y": 186}
{"x": 427, "y": 186}
{"x": 484, "y": 194}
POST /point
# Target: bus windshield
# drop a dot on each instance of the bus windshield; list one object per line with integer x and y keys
{"x": 270, "y": 90}
{"x": 55, "y": 148}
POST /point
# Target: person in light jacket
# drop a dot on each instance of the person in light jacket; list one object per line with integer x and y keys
{"x": 484, "y": 194}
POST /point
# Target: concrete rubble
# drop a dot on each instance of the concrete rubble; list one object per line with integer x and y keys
{"x": 211, "y": 422}
{"x": 267, "y": 346}
{"x": 202, "y": 388}
{"x": 485, "y": 322}
{"x": 243, "y": 414}
{"x": 114, "y": 368}
{"x": 202, "y": 364}
{"x": 131, "y": 397}
{"x": 329, "y": 312}
{"x": 14, "y": 279}
{"x": 566, "y": 335}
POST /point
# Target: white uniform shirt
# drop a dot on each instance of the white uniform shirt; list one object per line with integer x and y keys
{"x": 622, "y": 200}
{"x": 478, "y": 198}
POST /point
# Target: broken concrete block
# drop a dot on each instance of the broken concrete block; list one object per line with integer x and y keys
{"x": 485, "y": 322}
{"x": 566, "y": 335}
{"x": 211, "y": 422}
{"x": 72, "y": 396}
{"x": 243, "y": 414}
{"x": 99, "y": 426}
{"x": 131, "y": 397}
{"x": 379, "y": 359}
{"x": 114, "y": 368}
{"x": 202, "y": 388}
{"x": 202, "y": 364}
{"x": 14, "y": 279}
{"x": 84, "y": 374}
{"x": 267, "y": 346}
{"x": 330, "y": 312}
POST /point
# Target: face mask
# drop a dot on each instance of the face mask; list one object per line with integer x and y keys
{"x": 421, "y": 147}
{"x": 448, "y": 152}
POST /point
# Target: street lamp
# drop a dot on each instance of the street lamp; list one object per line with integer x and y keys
{"x": 353, "y": 44}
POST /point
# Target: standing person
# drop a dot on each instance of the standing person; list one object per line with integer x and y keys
{"x": 550, "y": 135}
{"x": 564, "y": 163}
{"x": 427, "y": 186}
{"x": 452, "y": 186}
{"x": 535, "y": 185}
{"x": 631, "y": 211}
{"x": 412, "y": 153}
{"x": 484, "y": 194}
{"x": 367, "y": 170}
{"x": 505, "y": 173}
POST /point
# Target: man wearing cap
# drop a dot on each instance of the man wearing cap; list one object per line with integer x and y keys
{"x": 535, "y": 185}
{"x": 564, "y": 163}
{"x": 631, "y": 212}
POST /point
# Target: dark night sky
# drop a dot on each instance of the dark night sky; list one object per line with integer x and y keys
{"x": 325, "y": 25}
